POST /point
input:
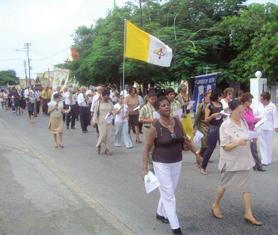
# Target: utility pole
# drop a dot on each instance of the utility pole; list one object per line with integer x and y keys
{"x": 25, "y": 73}
{"x": 27, "y": 47}
{"x": 48, "y": 76}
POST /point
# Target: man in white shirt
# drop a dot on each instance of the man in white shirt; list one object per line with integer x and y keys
{"x": 84, "y": 111}
{"x": 124, "y": 93}
{"x": 70, "y": 103}
{"x": 267, "y": 110}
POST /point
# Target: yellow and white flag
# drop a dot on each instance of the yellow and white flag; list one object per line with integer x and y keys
{"x": 143, "y": 46}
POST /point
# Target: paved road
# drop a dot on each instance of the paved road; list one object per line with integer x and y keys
{"x": 45, "y": 190}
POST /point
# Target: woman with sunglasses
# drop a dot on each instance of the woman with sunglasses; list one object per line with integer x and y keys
{"x": 167, "y": 139}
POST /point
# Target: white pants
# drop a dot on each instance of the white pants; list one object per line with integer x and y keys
{"x": 122, "y": 129}
{"x": 168, "y": 176}
{"x": 266, "y": 141}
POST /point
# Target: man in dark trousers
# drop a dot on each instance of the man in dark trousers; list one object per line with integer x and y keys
{"x": 84, "y": 110}
{"x": 69, "y": 102}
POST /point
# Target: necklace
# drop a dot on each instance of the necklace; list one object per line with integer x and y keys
{"x": 168, "y": 125}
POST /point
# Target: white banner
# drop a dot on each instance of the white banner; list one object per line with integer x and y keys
{"x": 60, "y": 78}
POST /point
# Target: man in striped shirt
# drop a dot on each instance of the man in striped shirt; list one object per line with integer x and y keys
{"x": 147, "y": 112}
{"x": 176, "y": 109}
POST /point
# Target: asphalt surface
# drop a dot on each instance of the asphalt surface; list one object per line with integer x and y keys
{"x": 45, "y": 190}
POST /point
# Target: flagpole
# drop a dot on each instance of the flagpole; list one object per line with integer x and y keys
{"x": 124, "y": 58}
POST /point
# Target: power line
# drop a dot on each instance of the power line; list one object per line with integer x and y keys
{"x": 11, "y": 59}
{"x": 37, "y": 59}
{"x": 52, "y": 55}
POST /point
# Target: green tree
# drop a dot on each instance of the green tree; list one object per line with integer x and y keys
{"x": 205, "y": 35}
{"x": 253, "y": 35}
{"x": 8, "y": 77}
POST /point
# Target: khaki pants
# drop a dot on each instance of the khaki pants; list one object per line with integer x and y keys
{"x": 104, "y": 139}
{"x": 146, "y": 132}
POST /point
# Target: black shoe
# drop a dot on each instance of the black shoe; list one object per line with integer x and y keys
{"x": 261, "y": 169}
{"x": 67, "y": 127}
{"x": 162, "y": 219}
{"x": 177, "y": 231}
{"x": 73, "y": 127}
{"x": 85, "y": 131}
{"x": 255, "y": 168}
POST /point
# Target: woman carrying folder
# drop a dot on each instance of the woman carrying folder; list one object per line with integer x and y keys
{"x": 103, "y": 118}
{"x": 167, "y": 139}
{"x": 236, "y": 162}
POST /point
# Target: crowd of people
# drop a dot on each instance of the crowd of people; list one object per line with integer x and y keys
{"x": 167, "y": 125}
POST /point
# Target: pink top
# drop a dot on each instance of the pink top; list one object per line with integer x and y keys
{"x": 250, "y": 118}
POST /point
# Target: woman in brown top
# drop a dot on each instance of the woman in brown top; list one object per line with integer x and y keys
{"x": 132, "y": 102}
{"x": 168, "y": 139}
{"x": 236, "y": 161}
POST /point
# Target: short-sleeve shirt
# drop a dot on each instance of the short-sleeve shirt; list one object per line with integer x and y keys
{"x": 146, "y": 112}
{"x": 239, "y": 158}
{"x": 225, "y": 104}
{"x": 121, "y": 116}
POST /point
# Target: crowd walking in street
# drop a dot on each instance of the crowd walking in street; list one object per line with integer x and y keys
{"x": 168, "y": 127}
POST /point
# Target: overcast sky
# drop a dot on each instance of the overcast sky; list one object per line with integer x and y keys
{"x": 48, "y": 26}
